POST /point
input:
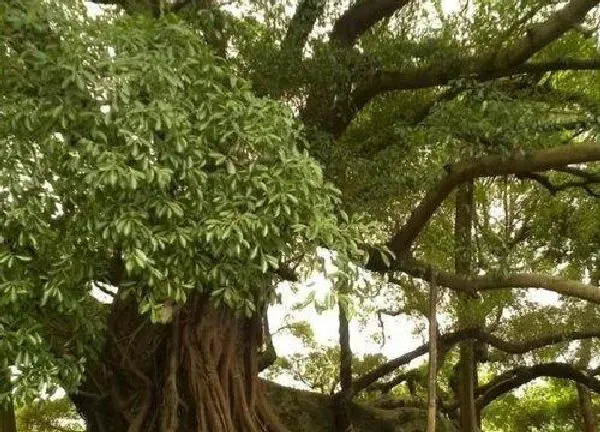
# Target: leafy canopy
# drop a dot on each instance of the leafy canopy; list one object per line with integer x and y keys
{"x": 126, "y": 139}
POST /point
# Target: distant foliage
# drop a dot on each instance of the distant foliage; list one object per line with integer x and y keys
{"x": 56, "y": 415}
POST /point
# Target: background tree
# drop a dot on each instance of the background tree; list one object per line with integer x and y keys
{"x": 56, "y": 415}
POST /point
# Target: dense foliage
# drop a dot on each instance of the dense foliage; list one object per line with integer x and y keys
{"x": 161, "y": 151}
{"x": 126, "y": 136}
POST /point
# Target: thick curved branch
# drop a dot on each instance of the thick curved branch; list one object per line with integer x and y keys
{"x": 447, "y": 341}
{"x": 301, "y": 25}
{"x": 517, "y": 377}
{"x": 447, "y": 71}
{"x": 493, "y": 64}
{"x": 487, "y": 166}
{"x": 541, "y": 34}
{"x": 362, "y": 16}
{"x": 491, "y": 282}
{"x": 380, "y": 371}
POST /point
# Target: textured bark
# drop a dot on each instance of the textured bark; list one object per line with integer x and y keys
{"x": 268, "y": 356}
{"x": 197, "y": 373}
{"x": 343, "y": 418}
{"x": 301, "y": 25}
{"x": 468, "y": 413}
{"x": 462, "y": 265}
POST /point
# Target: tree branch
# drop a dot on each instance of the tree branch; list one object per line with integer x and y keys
{"x": 444, "y": 72}
{"x": 515, "y": 378}
{"x": 448, "y": 340}
{"x": 380, "y": 371}
{"x": 409, "y": 377}
{"x": 522, "y": 347}
{"x": 495, "y": 63}
{"x": 486, "y": 166}
{"x": 572, "y": 64}
{"x": 301, "y": 25}
{"x": 588, "y": 180}
{"x": 492, "y": 282}
{"x": 105, "y": 290}
{"x": 362, "y": 16}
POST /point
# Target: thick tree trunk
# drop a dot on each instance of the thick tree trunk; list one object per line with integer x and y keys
{"x": 462, "y": 265}
{"x": 197, "y": 373}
